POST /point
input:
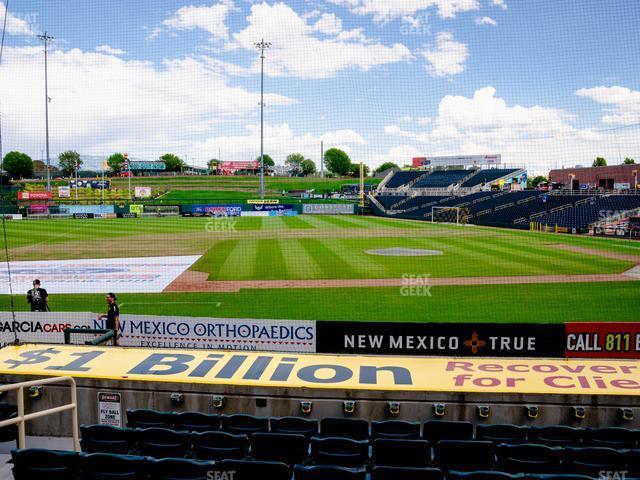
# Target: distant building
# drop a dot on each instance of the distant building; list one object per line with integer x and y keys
{"x": 615, "y": 177}
{"x": 251, "y": 167}
{"x": 462, "y": 161}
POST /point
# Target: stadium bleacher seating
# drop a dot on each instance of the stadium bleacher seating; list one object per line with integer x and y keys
{"x": 487, "y": 176}
{"x": 402, "y": 178}
{"x": 442, "y": 178}
{"x": 282, "y": 448}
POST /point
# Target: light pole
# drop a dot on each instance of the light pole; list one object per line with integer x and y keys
{"x": 262, "y": 46}
{"x": 46, "y": 39}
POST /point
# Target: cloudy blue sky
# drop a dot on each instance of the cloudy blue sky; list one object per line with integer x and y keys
{"x": 543, "y": 82}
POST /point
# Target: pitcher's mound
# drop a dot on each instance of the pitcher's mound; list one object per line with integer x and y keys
{"x": 404, "y": 252}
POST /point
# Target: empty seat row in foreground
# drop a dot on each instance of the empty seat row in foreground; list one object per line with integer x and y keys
{"x": 60, "y": 465}
{"x": 359, "y": 429}
{"x": 293, "y": 449}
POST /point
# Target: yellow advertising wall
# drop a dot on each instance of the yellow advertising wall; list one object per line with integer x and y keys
{"x": 540, "y": 376}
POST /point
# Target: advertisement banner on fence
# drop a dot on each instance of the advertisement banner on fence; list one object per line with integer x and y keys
{"x": 437, "y": 339}
{"x": 167, "y": 331}
{"x": 34, "y": 195}
{"x": 603, "y": 340}
{"x": 64, "y": 192}
{"x": 328, "y": 209}
{"x": 217, "y": 210}
{"x": 268, "y": 207}
{"x": 142, "y": 192}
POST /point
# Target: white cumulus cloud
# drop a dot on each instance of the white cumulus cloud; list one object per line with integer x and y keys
{"x": 622, "y": 105}
{"x": 386, "y": 10}
{"x": 16, "y": 24}
{"x": 538, "y": 138}
{"x": 486, "y": 21}
{"x": 298, "y": 51}
{"x": 447, "y": 57}
{"x": 210, "y": 18}
{"x": 109, "y": 50}
{"x": 102, "y": 103}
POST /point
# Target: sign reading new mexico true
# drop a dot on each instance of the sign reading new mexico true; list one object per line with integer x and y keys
{"x": 355, "y": 372}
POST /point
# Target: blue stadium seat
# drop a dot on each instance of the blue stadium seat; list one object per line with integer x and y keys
{"x": 479, "y": 475}
{"x": 252, "y": 470}
{"x": 465, "y": 455}
{"x": 327, "y": 472}
{"x": 556, "y": 436}
{"x": 406, "y": 473}
{"x": 612, "y": 437}
{"x": 107, "y": 466}
{"x": 529, "y": 458}
{"x": 304, "y": 426}
{"x": 401, "y": 453}
{"x": 633, "y": 463}
{"x": 502, "y": 433}
{"x": 354, "y": 428}
{"x": 244, "y": 424}
{"x": 592, "y": 460}
{"x": 395, "y": 429}
{"x": 163, "y": 443}
{"x": 436, "y": 430}
{"x": 34, "y": 463}
{"x": 181, "y": 469}
{"x": 195, "y": 422}
{"x": 10, "y": 433}
{"x": 149, "y": 419}
{"x": 340, "y": 451}
{"x": 219, "y": 445}
{"x": 107, "y": 439}
{"x": 289, "y": 448}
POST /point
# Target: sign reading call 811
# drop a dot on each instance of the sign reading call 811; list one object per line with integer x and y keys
{"x": 602, "y": 340}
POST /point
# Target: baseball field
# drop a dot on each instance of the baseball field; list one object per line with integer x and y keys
{"x": 324, "y": 268}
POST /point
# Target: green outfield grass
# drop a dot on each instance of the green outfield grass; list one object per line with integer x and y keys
{"x": 557, "y": 303}
{"x": 333, "y": 247}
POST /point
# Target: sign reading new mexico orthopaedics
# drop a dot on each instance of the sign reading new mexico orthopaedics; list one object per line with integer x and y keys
{"x": 352, "y": 372}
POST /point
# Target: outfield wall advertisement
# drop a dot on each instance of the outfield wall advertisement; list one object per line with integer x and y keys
{"x": 328, "y": 209}
{"x": 167, "y": 331}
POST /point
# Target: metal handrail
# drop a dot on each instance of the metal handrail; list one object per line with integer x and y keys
{"x": 22, "y": 418}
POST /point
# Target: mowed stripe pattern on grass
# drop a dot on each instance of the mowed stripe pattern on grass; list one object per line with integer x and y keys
{"x": 347, "y": 258}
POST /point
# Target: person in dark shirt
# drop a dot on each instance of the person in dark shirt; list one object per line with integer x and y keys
{"x": 38, "y": 298}
{"x": 112, "y": 316}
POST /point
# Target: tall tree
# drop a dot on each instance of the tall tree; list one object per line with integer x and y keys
{"x": 173, "y": 162}
{"x": 308, "y": 167}
{"x": 629, "y": 161}
{"x": 294, "y": 159}
{"x": 68, "y": 161}
{"x": 213, "y": 164}
{"x": 354, "y": 170}
{"x": 18, "y": 165}
{"x": 599, "y": 162}
{"x": 385, "y": 166}
{"x": 337, "y": 162}
{"x": 268, "y": 161}
{"x": 115, "y": 162}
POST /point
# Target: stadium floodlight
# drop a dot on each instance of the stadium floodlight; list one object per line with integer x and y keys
{"x": 47, "y": 40}
{"x": 262, "y": 46}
